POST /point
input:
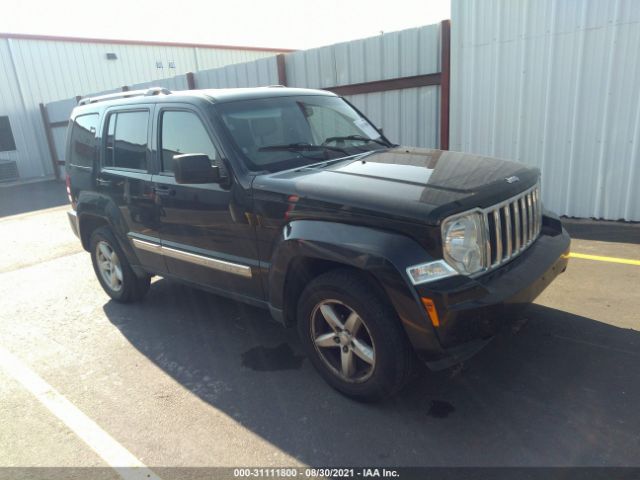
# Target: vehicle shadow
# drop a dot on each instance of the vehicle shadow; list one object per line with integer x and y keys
{"x": 556, "y": 389}
{"x": 29, "y": 197}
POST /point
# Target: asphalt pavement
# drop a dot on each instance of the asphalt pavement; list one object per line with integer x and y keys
{"x": 186, "y": 378}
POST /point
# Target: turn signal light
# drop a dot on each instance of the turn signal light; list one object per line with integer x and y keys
{"x": 428, "y": 272}
{"x": 430, "y": 307}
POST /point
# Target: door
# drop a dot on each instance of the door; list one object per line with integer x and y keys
{"x": 125, "y": 179}
{"x": 205, "y": 232}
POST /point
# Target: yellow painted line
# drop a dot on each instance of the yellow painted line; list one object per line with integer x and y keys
{"x": 627, "y": 261}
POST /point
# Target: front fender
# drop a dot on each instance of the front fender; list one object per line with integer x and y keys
{"x": 383, "y": 254}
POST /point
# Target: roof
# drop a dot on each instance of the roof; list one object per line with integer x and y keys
{"x": 53, "y": 38}
{"x": 221, "y": 95}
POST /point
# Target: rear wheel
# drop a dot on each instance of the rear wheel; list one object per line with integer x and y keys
{"x": 353, "y": 337}
{"x": 113, "y": 270}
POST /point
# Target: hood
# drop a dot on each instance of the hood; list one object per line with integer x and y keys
{"x": 406, "y": 182}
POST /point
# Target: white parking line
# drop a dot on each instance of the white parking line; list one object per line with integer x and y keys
{"x": 116, "y": 456}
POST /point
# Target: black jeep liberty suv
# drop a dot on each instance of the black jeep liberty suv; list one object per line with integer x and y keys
{"x": 292, "y": 200}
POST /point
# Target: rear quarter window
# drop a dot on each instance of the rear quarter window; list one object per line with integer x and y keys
{"x": 83, "y": 148}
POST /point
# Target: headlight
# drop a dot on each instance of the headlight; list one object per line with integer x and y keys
{"x": 462, "y": 240}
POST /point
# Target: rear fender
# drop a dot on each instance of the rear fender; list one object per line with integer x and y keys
{"x": 93, "y": 207}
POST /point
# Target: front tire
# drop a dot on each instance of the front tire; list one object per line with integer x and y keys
{"x": 353, "y": 337}
{"x": 113, "y": 270}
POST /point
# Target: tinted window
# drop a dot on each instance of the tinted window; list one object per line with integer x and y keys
{"x": 183, "y": 132}
{"x": 7, "y": 142}
{"x": 83, "y": 140}
{"x": 127, "y": 140}
{"x": 284, "y": 132}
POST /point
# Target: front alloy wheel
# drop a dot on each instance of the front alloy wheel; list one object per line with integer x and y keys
{"x": 353, "y": 336}
{"x": 343, "y": 341}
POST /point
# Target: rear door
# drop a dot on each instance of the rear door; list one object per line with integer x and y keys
{"x": 205, "y": 230}
{"x": 125, "y": 178}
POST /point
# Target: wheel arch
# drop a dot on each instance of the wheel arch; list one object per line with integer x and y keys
{"x": 302, "y": 269}
{"x": 100, "y": 211}
{"x": 87, "y": 224}
{"x": 308, "y": 248}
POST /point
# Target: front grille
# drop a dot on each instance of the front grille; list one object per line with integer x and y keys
{"x": 511, "y": 226}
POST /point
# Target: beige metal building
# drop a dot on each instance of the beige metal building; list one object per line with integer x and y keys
{"x": 38, "y": 69}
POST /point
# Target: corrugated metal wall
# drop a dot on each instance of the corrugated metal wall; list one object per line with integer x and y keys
{"x": 555, "y": 84}
{"x": 407, "y": 116}
{"x": 258, "y": 73}
{"x": 49, "y": 70}
{"x": 35, "y": 71}
{"x": 60, "y": 111}
{"x": 27, "y": 130}
{"x": 253, "y": 74}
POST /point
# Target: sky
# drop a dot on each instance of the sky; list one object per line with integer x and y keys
{"x": 295, "y": 24}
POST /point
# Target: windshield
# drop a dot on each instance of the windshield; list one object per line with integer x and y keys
{"x": 285, "y": 132}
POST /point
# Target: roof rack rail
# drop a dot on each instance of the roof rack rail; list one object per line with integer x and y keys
{"x": 148, "y": 92}
{"x": 275, "y": 86}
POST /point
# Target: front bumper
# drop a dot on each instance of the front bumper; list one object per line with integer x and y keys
{"x": 73, "y": 221}
{"x": 471, "y": 311}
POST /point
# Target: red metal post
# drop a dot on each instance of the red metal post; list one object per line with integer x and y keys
{"x": 191, "y": 81}
{"x": 282, "y": 70}
{"x": 445, "y": 82}
{"x": 52, "y": 146}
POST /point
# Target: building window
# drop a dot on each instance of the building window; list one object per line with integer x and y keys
{"x": 7, "y": 143}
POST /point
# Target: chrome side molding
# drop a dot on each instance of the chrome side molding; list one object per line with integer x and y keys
{"x": 213, "y": 263}
{"x": 146, "y": 246}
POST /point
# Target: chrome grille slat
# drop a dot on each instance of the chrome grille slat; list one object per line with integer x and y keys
{"x": 528, "y": 222}
{"x": 531, "y": 217}
{"x": 507, "y": 223}
{"x": 487, "y": 242}
{"x": 536, "y": 192}
{"x": 516, "y": 226}
{"x": 511, "y": 226}
{"x": 525, "y": 222}
{"x": 498, "y": 231}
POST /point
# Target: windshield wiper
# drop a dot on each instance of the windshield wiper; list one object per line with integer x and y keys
{"x": 362, "y": 138}
{"x": 301, "y": 147}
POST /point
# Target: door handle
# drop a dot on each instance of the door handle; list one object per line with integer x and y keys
{"x": 164, "y": 191}
{"x": 103, "y": 183}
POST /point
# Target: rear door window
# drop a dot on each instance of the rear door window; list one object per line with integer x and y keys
{"x": 127, "y": 140}
{"x": 83, "y": 140}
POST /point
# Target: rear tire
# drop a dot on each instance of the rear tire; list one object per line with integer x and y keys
{"x": 353, "y": 337}
{"x": 112, "y": 268}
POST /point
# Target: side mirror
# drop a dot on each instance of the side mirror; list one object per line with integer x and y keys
{"x": 195, "y": 168}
